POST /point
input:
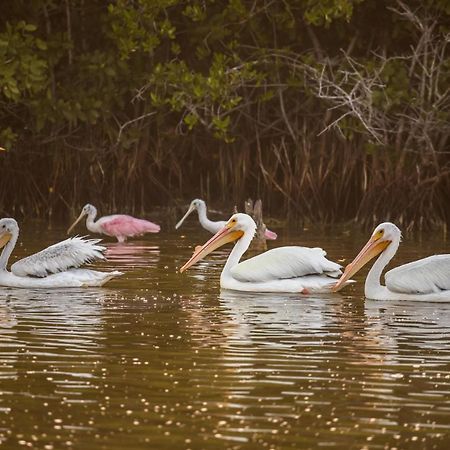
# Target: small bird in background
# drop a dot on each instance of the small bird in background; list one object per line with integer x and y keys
{"x": 211, "y": 225}
{"x": 120, "y": 226}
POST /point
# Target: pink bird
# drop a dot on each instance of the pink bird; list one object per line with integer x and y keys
{"x": 120, "y": 226}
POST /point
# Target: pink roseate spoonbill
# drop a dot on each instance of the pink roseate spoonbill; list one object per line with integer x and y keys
{"x": 209, "y": 225}
{"x": 283, "y": 269}
{"x": 120, "y": 226}
{"x": 54, "y": 267}
{"x": 427, "y": 279}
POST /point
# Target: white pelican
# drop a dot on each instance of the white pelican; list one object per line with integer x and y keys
{"x": 427, "y": 279}
{"x": 54, "y": 267}
{"x": 209, "y": 225}
{"x": 283, "y": 269}
{"x": 120, "y": 226}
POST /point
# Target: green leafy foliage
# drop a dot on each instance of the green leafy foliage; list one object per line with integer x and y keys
{"x": 23, "y": 64}
{"x": 203, "y": 61}
{"x": 208, "y": 98}
{"x": 130, "y": 79}
{"x": 324, "y": 12}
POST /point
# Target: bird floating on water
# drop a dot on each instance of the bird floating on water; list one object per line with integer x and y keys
{"x": 209, "y": 225}
{"x": 427, "y": 279}
{"x": 283, "y": 269}
{"x": 54, "y": 267}
{"x": 120, "y": 226}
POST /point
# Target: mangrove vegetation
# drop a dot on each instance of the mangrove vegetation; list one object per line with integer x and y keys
{"x": 328, "y": 110}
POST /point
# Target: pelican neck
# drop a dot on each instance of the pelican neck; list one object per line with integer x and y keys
{"x": 239, "y": 249}
{"x": 6, "y": 253}
{"x": 373, "y": 280}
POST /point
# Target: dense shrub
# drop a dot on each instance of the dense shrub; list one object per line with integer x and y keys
{"x": 328, "y": 109}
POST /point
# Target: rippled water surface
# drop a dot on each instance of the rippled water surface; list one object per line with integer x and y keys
{"x": 167, "y": 361}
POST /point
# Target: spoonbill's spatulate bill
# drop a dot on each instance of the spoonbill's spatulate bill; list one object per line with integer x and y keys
{"x": 210, "y": 225}
{"x": 120, "y": 226}
{"x": 283, "y": 269}
{"x": 427, "y": 279}
{"x": 55, "y": 267}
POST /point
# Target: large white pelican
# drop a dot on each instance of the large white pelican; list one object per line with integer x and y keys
{"x": 210, "y": 225}
{"x": 54, "y": 267}
{"x": 283, "y": 269}
{"x": 427, "y": 279}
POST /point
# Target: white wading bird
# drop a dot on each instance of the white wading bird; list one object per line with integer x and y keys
{"x": 283, "y": 269}
{"x": 54, "y": 267}
{"x": 209, "y": 225}
{"x": 427, "y": 279}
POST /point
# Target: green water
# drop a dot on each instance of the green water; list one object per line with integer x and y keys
{"x": 166, "y": 361}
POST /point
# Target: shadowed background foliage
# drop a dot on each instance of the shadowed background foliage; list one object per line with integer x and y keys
{"x": 329, "y": 110}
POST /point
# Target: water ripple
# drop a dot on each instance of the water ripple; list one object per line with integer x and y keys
{"x": 162, "y": 360}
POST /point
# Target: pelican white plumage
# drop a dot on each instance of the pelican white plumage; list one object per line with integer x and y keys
{"x": 210, "y": 225}
{"x": 54, "y": 267}
{"x": 283, "y": 269}
{"x": 427, "y": 279}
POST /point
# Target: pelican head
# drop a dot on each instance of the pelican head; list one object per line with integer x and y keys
{"x": 196, "y": 204}
{"x": 8, "y": 227}
{"x": 236, "y": 227}
{"x": 383, "y": 236}
{"x": 88, "y": 210}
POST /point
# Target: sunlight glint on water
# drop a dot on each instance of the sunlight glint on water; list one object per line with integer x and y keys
{"x": 167, "y": 361}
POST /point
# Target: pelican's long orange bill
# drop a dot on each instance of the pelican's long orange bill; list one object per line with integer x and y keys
{"x": 4, "y": 239}
{"x": 222, "y": 237}
{"x": 373, "y": 248}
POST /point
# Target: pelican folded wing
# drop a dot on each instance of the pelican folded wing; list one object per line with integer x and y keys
{"x": 71, "y": 253}
{"x": 285, "y": 262}
{"x": 424, "y": 276}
